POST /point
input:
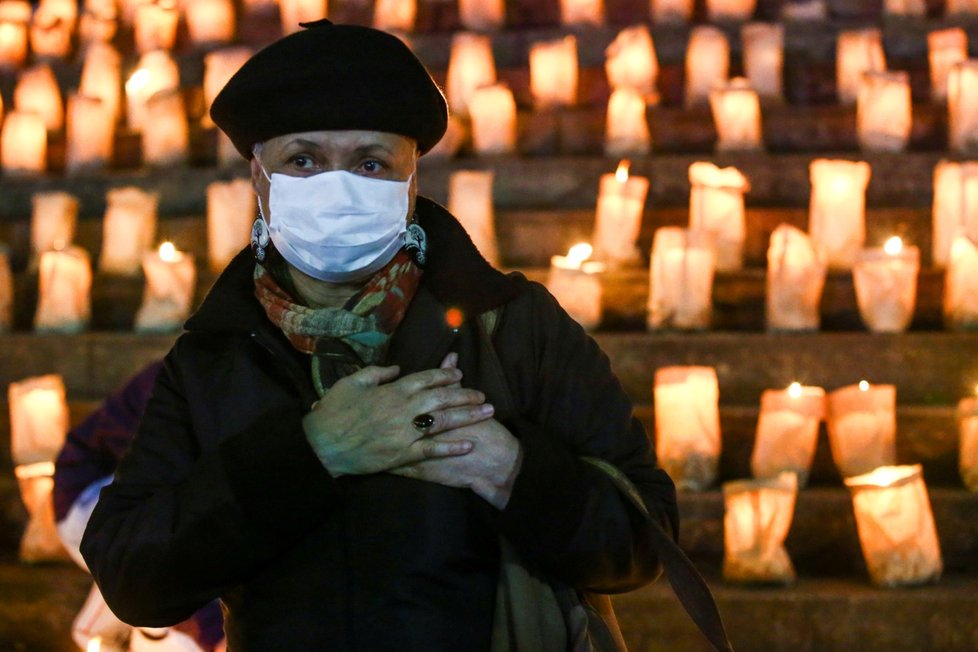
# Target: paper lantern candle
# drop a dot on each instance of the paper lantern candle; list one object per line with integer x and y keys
{"x": 787, "y": 431}
{"x": 170, "y": 279}
{"x": 89, "y": 135}
{"x": 493, "y": 113}
{"x": 156, "y": 25}
{"x": 293, "y": 12}
{"x": 209, "y": 21}
{"x": 64, "y": 292}
{"x": 883, "y": 111}
{"x": 581, "y": 12}
{"x": 13, "y": 41}
{"x": 945, "y": 49}
{"x": 886, "y": 285}
{"x": 470, "y": 66}
{"x": 687, "y": 424}
{"x": 128, "y": 230}
{"x": 37, "y": 92}
{"x": 395, "y": 15}
{"x": 671, "y": 11}
{"x": 219, "y": 67}
{"x": 97, "y": 24}
{"x": 716, "y": 205}
{"x": 553, "y": 72}
{"x": 857, "y": 52}
{"x": 707, "y": 63}
{"x": 837, "y": 210}
{"x": 53, "y": 220}
{"x": 626, "y": 128}
{"x": 681, "y": 279}
{"x": 50, "y": 34}
{"x": 796, "y": 273}
{"x": 961, "y": 286}
{"x": 630, "y": 62}
{"x": 23, "y": 144}
{"x": 955, "y": 207}
{"x": 168, "y": 142}
{"x": 102, "y": 78}
{"x": 968, "y": 433}
{"x": 764, "y": 58}
{"x": 618, "y": 217}
{"x": 231, "y": 210}
{"x": 896, "y": 526}
{"x": 40, "y": 541}
{"x": 962, "y": 106}
{"x": 6, "y": 292}
{"x": 730, "y": 10}
{"x": 482, "y": 15}
{"x": 576, "y": 283}
{"x": 916, "y": 8}
{"x": 470, "y": 200}
{"x": 38, "y": 419}
{"x": 862, "y": 427}
{"x": 961, "y": 7}
{"x": 737, "y": 116}
{"x": 756, "y": 519}
{"x": 156, "y": 72}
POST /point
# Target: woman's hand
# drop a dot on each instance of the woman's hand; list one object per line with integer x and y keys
{"x": 364, "y": 422}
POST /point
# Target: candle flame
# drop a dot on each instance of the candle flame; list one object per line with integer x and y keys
{"x": 168, "y": 252}
{"x": 138, "y": 81}
{"x": 863, "y": 386}
{"x": 94, "y": 644}
{"x": 579, "y": 253}
{"x": 621, "y": 174}
{"x": 794, "y": 390}
{"x": 893, "y": 246}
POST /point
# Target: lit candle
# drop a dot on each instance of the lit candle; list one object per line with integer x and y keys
{"x": 168, "y": 142}
{"x": 101, "y": 78}
{"x": 482, "y": 15}
{"x": 470, "y": 66}
{"x": 581, "y": 12}
{"x": 796, "y": 272}
{"x": 681, "y": 279}
{"x": 156, "y": 72}
{"x": 169, "y": 293}
{"x": 90, "y": 129}
{"x": 219, "y": 67}
{"x": 730, "y": 10}
{"x": 618, "y": 216}
{"x": 38, "y": 418}
{"x": 553, "y": 72}
{"x": 630, "y": 62}
{"x": 764, "y": 58}
{"x": 97, "y": 24}
{"x": 156, "y": 25}
{"x": 576, "y": 284}
{"x": 961, "y": 7}
{"x": 13, "y": 36}
{"x": 967, "y": 415}
{"x": 861, "y": 422}
{"x": 53, "y": 220}
{"x": 837, "y": 211}
{"x": 857, "y": 52}
{"x": 883, "y": 111}
{"x": 94, "y": 644}
{"x": 896, "y": 526}
{"x": 687, "y": 424}
{"x": 128, "y": 229}
{"x": 787, "y": 431}
{"x": 886, "y": 285}
{"x": 707, "y": 63}
{"x": 65, "y": 283}
{"x": 493, "y": 113}
{"x": 209, "y": 21}
{"x": 50, "y": 34}
{"x": 945, "y": 49}
{"x": 962, "y": 106}
{"x": 671, "y": 11}
{"x": 470, "y": 200}
{"x": 716, "y": 205}
{"x": 961, "y": 286}
{"x": 915, "y": 8}
{"x": 294, "y": 12}
{"x": 395, "y": 15}
{"x": 37, "y": 92}
{"x": 737, "y": 115}
{"x": 23, "y": 144}
{"x": 626, "y": 128}
{"x": 756, "y": 519}
{"x": 231, "y": 209}
{"x": 6, "y": 292}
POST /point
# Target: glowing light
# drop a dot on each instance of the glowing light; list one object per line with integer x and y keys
{"x": 893, "y": 246}
{"x": 863, "y": 386}
{"x": 137, "y": 81}
{"x": 454, "y": 317}
{"x": 621, "y": 174}
{"x": 94, "y": 644}
{"x": 168, "y": 252}
{"x": 579, "y": 253}
{"x": 794, "y": 390}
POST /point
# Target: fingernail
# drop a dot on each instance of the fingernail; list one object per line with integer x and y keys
{"x": 486, "y": 409}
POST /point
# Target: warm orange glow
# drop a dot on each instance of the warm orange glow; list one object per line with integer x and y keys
{"x": 621, "y": 174}
{"x": 454, "y": 317}
{"x": 137, "y": 81}
{"x": 863, "y": 386}
{"x": 168, "y": 252}
{"x": 893, "y": 246}
{"x": 794, "y": 390}
{"x": 579, "y": 253}
{"x": 94, "y": 644}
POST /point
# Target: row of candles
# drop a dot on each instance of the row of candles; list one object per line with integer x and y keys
{"x": 892, "y": 509}
{"x": 488, "y": 108}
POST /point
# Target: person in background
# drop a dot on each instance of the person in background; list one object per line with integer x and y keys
{"x": 84, "y": 466}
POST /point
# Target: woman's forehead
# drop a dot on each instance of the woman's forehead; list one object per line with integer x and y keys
{"x": 343, "y": 140}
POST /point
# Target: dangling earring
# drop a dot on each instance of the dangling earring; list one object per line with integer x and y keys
{"x": 259, "y": 235}
{"x": 416, "y": 243}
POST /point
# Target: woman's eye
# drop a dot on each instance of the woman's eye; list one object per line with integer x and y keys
{"x": 371, "y": 166}
{"x": 302, "y": 162}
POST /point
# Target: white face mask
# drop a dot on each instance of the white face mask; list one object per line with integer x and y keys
{"x": 337, "y": 226}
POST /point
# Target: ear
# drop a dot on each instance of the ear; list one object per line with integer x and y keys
{"x": 256, "y": 174}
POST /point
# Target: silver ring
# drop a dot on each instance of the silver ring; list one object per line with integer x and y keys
{"x": 423, "y": 422}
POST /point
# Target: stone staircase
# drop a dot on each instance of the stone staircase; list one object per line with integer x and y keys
{"x": 545, "y": 200}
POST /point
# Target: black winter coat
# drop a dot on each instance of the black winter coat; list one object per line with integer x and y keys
{"x": 222, "y": 496}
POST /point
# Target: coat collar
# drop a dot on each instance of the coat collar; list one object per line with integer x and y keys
{"x": 456, "y": 276}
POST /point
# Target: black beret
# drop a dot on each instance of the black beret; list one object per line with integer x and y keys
{"x": 328, "y": 77}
